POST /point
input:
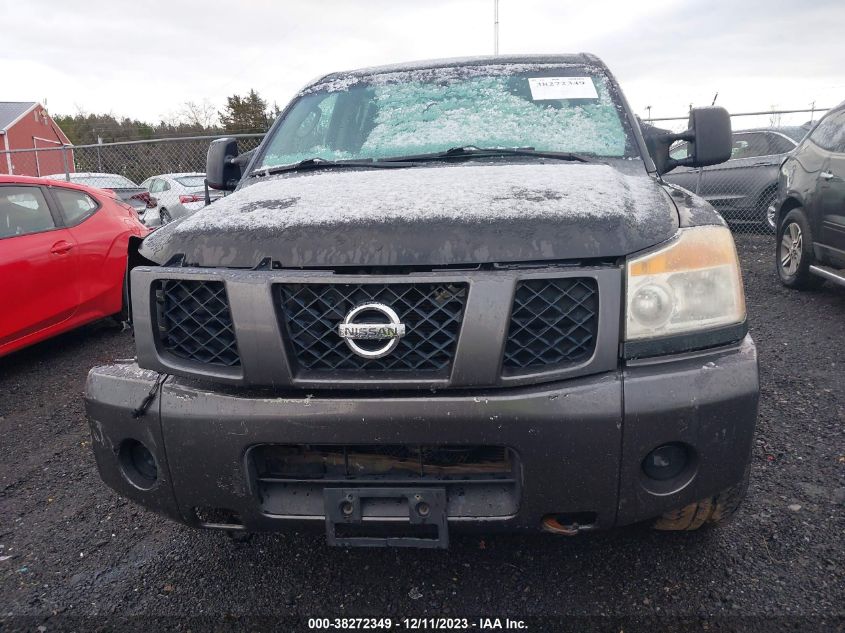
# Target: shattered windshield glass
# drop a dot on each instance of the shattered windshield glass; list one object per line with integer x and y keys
{"x": 557, "y": 109}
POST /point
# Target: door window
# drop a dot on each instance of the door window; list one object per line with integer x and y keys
{"x": 76, "y": 206}
{"x": 780, "y": 145}
{"x": 829, "y": 134}
{"x": 23, "y": 210}
{"x": 749, "y": 146}
{"x": 159, "y": 185}
{"x": 839, "y": 143}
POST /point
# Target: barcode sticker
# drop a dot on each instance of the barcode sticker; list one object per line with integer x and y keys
{"x": 562, "y": 88}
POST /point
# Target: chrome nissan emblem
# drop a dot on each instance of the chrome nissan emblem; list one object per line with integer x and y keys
{"x": 392, "y": 331}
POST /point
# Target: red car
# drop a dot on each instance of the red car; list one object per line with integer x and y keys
{"x": 63, "y": 254}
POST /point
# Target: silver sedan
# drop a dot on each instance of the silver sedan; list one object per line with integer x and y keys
{"x": 178, "y": 195}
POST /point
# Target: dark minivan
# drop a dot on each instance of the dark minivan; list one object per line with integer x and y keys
{"x": 810, "y": 207}
{"x": 743, "y": 188}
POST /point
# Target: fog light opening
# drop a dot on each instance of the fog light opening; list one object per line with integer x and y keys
{"x": 138, "y": 464}
{"x": 666, "y": 462}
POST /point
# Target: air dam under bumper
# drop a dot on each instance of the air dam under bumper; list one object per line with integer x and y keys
{"x": 579, "y": 444}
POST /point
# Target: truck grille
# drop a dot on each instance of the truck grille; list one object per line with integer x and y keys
{"x": 431, "y": 313}
{"x": 194, "y": 322}
{"x": 553, "y": 322}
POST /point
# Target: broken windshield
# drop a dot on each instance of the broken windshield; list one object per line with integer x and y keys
{"x": 553, "y": 109}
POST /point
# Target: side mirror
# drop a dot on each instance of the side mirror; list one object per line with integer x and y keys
{"x": 222, "y": 169}
{"x": 709, "y": 138}
{"x": 712, "y": 140}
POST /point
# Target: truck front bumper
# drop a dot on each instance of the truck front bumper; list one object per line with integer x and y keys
{"x": 577, "y": 445}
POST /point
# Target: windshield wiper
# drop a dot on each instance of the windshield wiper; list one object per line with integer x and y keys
{"x": 471, "y": 151}
{"x": 467, "y": 151}
{"x": 322, "y": 163}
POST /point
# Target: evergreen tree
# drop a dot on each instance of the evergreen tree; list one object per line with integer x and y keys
{"x": 250, "y": 113}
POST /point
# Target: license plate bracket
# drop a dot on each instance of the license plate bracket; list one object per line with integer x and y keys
{"x": 426, "y": 507}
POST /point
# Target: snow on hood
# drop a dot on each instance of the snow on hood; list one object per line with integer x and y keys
{"x": 470, "y": 213}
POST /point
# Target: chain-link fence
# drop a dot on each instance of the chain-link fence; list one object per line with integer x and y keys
{"x": 161, "y": 179}
{"x": 741, "y": 189}
{"x": 110, "y": 165}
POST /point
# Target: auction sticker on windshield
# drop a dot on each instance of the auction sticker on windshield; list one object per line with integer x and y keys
{"x": 543, "y": 88}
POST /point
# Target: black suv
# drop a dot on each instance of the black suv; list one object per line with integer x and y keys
{"x": 810, "y": 207}
{"x": 445, "y": 295}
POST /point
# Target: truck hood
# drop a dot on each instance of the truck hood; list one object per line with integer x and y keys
{"x": 425, "y": 216}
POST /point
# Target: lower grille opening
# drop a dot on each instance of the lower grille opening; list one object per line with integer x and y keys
{"x": 480, "y": 481}
{"x": 400, "y": 461}
{"x": 210, "y": 516}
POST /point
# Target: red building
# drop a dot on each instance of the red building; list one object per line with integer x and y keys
{"x": 26, "y": 125}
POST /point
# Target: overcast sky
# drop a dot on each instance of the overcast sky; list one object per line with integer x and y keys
{"x": 145, "y": 59}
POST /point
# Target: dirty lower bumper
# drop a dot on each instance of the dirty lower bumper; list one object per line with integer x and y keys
{"x": 576, "y": 447}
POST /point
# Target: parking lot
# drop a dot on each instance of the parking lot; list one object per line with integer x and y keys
{"x": 69, "y": 546}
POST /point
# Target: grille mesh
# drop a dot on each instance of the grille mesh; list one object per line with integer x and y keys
{"x": 195, "y": 323}
{"x": 431, "y": 313}
{"x": 553, "y": 322}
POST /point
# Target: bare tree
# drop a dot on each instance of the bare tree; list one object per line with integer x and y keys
{"x": 202, "y": 115}
{"x": 774, "y": 117}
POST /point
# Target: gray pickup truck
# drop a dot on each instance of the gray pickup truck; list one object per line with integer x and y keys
{"x": 448, "y": 295}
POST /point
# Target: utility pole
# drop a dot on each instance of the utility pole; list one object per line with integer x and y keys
{"x": 99, "y": 156}
{"x": 649, "y": 113}
{"x": 495, "y": 27}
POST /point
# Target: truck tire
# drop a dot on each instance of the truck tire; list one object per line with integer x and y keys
{"x": 712, "y": 511}
{"x": 794, "y": 252}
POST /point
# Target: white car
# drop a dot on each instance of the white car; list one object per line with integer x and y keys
{"x": 177, "y": 195}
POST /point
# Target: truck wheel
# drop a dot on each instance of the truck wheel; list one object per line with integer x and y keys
{"x": 713, "y": 511}
{"x": 794, "y": 252}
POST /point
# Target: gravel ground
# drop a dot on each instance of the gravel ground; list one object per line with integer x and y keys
{"x": 71, "y": 547}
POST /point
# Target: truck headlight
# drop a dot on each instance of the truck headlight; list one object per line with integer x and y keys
{"x": 691, "y": 285}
